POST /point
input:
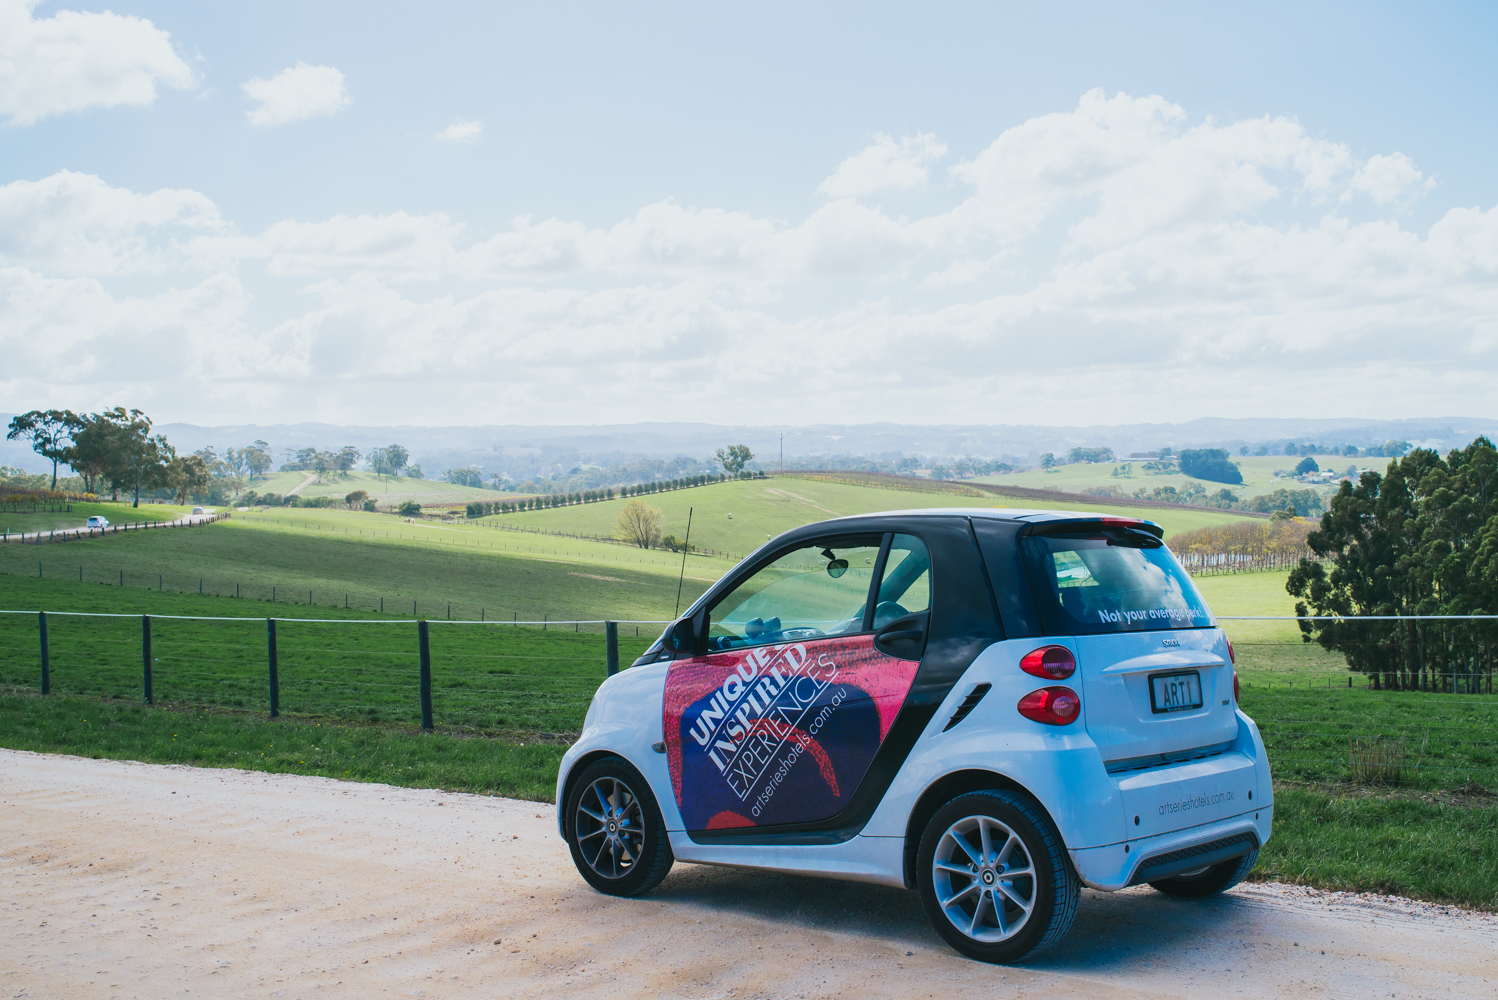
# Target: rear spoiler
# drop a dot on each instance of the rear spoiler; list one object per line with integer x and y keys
{"x": 1070, "y": 524}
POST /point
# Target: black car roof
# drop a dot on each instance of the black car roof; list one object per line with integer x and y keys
{"x": 1027, "y": 516}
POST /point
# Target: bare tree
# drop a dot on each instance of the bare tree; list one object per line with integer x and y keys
{"x": 639, "y": 524}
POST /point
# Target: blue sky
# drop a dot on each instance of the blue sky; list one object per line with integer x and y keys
{"x": 476, "y": 213}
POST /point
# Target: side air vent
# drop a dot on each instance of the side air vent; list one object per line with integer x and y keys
{"x": 968, "y": 704}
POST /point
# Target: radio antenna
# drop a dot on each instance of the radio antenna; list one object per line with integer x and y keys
{"x": 683, "y": 576}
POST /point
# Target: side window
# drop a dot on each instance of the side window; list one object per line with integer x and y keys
{"x": 906, "y": 587}
{"x": 819, "y": 589}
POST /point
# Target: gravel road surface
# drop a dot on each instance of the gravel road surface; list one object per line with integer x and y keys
{"x": 137, "y": 880}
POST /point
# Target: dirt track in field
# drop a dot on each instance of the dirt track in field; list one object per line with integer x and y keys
{"x": 136, "y": 880}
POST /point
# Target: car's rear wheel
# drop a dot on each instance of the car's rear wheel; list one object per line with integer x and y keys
{"x": 615, "y": 831}
{"x": 1208, "y": 881}
{"x": 994, "y": 877}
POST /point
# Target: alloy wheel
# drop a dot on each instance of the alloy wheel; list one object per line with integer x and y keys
{"x": 984, "y": 879}
{"x": 610, "y": 828}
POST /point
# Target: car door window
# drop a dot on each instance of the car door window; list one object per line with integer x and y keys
{"x": 819, "y": 589}
{"x": 780, "y": 720}
{"x": 906, "y": 587}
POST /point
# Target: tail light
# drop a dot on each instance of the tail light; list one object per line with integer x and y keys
{"x": 1236, "y": 699}
{"x": 1232, "y": 657}
{"x": 1055, "y": 706}
{"x": 1054, "y": 663}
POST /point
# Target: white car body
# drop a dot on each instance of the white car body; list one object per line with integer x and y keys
{"x": 1136, "y": 793}
{"x": 95, "y": 521}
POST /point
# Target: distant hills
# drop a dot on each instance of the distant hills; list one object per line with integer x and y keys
{"x": 521, "y": 450}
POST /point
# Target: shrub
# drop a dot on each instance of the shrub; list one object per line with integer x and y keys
{"x": 409, "y": 509}
{"x": 1210, "y": 464}
{"x": 369, "y": 505}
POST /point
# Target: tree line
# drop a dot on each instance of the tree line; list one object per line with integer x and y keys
{"x": 1420, "y": 539}
{"x": 1243, "y": 546}
{"x": 117, "y": 450}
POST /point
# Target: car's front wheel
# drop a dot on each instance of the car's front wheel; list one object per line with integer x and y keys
{"x": 615, "y": 831}
{"x": 994, "y": 877}
{"x": 1208, "y": 881}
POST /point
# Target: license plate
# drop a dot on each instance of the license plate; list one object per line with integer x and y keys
{"x": 1175, "y": 692}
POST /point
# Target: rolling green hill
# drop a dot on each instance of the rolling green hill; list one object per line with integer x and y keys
{"x": 382, "y": 489}
{"x": 762, "y": 508}
{"x": 360, "y": 559}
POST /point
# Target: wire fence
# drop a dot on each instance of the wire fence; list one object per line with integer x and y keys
{"x": 463, "y": 674}
{"x": 539, "y": 677}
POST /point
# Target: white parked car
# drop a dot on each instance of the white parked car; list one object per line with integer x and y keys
{"x": 199, "y": 510}
{"x": 95, "y": 521}
{"x": 992, "y": 708}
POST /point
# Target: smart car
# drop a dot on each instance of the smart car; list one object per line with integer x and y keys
{"x": 95, "y": 521}
{"x": 990, "y": 707}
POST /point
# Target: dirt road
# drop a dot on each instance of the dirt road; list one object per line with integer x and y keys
{"x": 134, "y": 880}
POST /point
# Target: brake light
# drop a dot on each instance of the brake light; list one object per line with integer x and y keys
{"x": 1232, "y": 657}
{"x": 1054, "y": 663}
{"x": 1236, "y": 699}
{"x": 1055, "y": 706}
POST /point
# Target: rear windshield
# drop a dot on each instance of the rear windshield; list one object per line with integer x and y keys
{"x": 1113, "y": 580}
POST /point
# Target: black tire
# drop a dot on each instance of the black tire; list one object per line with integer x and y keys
{"x": 1052, "y": 888}
{"x": 1218, "y": 878}
{"x": 615, "y": 831}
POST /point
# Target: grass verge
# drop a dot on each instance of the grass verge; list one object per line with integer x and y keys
{"x": 1358, "y": 840}
{"x": 518, "y": 766}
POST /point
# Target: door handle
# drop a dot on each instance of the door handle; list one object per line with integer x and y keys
{"x": 909, "y": 633}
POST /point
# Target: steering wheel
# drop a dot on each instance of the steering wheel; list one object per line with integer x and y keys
{"x": 886, "y": 612}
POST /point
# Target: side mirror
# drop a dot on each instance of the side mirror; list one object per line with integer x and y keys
{"x": 681, "y": 638}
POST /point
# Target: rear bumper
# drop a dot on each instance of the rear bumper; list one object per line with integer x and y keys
{"x": 1119, "y": 865}
{"x": 1182, "y": 817}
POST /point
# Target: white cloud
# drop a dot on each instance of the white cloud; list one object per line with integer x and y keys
{"x": 887, "y": 165}
{"x": 296, "y": 94}
{"x": 74, "y": 60}
{"x": 76, "y": 224}
{"x": 1392, "y": 178}
{"x": 1119, "y": 256}
{"x": 462, "y": 131}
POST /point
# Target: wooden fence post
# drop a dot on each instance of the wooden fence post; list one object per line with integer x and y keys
{"x": 145, "y": 653}
{"x": 426, "y": 674}
{"x": 46, "y": 654}
{"x": 611, "y": 643}
{"x": 275, "y": 676}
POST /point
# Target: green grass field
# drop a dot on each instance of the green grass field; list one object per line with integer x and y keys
{"x": 382, "y": 489}
{"x": 484, "y": 677}
{"x": 1258, "y": 475}
{"x": 335, "y": 558}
